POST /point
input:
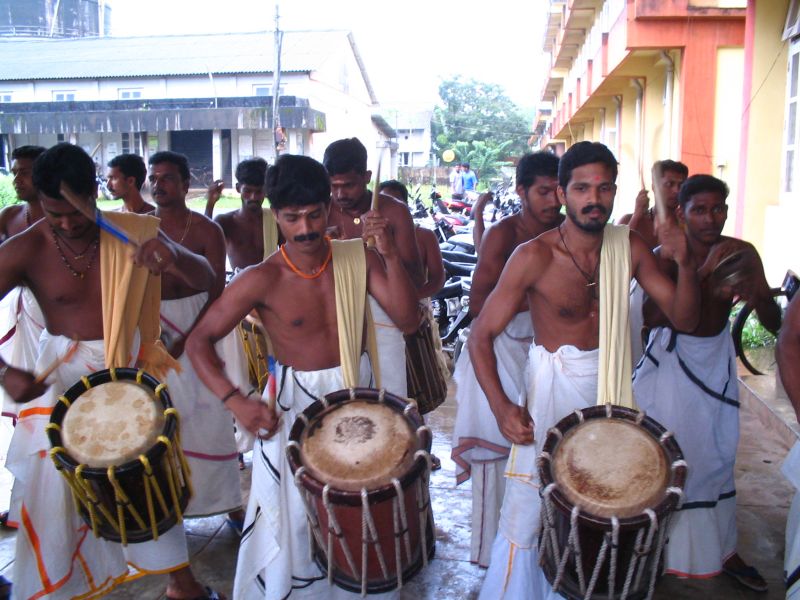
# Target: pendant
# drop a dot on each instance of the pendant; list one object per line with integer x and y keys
{"x": 357, "y": 220}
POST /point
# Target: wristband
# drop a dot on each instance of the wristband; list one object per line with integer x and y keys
{"x": 229, "y": 395}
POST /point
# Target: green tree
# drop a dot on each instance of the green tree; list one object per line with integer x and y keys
{"x": 480, "y": 124}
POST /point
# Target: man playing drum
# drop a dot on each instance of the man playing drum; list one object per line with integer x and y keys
{"x": 788, "y": 354}
{"x": 560, "y": 273}
{"x": 346, "y": 163}
{"x": 73, "y": 269}
{"x": 206, "y": 429}
{"x": 687, "y": 382}
{"x": 476, "y": 440}
{"x": 310, "y": 297}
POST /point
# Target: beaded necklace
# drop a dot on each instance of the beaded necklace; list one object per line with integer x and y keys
{"x": 297, "y": 270}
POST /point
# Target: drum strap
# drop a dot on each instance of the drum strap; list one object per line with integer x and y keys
{"x": 270, "y": 228}
{"x": 614, "y": 368}
{"x": 350, "y": 284}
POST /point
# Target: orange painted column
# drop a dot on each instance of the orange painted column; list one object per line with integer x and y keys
{"x": 698, "y": 94}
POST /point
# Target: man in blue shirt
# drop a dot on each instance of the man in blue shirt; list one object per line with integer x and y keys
{"x": 469, "y": 178}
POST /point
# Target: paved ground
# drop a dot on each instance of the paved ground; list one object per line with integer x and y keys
{"x": 763, "y": 497}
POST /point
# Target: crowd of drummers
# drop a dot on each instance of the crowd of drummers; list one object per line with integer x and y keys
{"x": 598, "y": 409}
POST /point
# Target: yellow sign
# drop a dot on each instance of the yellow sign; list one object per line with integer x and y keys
{"x": 448, "y": 156}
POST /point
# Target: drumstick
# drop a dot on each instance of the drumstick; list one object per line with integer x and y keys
{"x": 375, "y": 193}
{"x": 60, "y": 360}
{"x": 96, "y": 216}
{"x": 658, "y": 200}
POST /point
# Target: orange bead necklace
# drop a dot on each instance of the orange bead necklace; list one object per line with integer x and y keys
{"x": 295, "y": 268}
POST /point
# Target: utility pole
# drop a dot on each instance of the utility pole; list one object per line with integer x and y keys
{"x": 278, "y": 131}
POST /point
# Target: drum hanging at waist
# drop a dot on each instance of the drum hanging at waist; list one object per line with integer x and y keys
{"x": 426, "y": 383}
{"x": 361, "y": 461}
{"x": 115, "y": 438}
{"x": 610, "y": 479}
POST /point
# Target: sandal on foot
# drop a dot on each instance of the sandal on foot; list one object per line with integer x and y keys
{"x": 436, "y": 464}
{"x": 236, "y": 524}
{"x": 210, "y": 594}
{"x": 748, "y": 577}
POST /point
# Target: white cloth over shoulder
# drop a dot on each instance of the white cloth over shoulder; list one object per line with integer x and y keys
{"x": 791, "y": 562}
{"x": 391, "y": 351}
{"x": 207, "y": 432}
{"x": 688, "y": 384}
{"x": 56, "y": 554}
{"x": 558, "y": 383}
{"x": 274, "y": 556}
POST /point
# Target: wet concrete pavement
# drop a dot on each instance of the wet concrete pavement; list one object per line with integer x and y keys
{"x": 763, "y": 499}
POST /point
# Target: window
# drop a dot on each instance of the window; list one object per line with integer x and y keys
{"x": 129, "y": 93}
{"x": 791, "y": 138}
{"x": 134, "y": 143}
{"x": 6, "y": 96}
{"x": 405, "y": 159}
{"x": 63, "y": 95}
{"x": 261, "y": 89}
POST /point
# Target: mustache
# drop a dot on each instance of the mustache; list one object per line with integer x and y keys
{"x": 307, "y": 237}
{"x": 589, "y": 208}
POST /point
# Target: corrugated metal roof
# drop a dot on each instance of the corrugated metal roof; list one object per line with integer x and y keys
{"x": 154, "y": 56}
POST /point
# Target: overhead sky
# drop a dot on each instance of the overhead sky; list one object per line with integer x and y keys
{"x": 408, "y": 46}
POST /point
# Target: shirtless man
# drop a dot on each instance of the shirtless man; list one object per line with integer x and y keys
{"x": 687, "y": 382}
{"x": 559, "y": 273}
{"x": 207, "y": 432}
{"x": 58, "y": 259}
{"x": 126, "y": 175}
{"x": 668, "y": 175}
{"x": 346, "y": 163}
{"x": 295, "y": 296}
{"x": 788, "y": 354}
{"x": 479, "y": 449}
{"x": 244, "y": 228}
{"x": 18, "y": 217}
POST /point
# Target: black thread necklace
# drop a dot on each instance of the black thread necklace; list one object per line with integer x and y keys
{"x": 591, "y": 280}
{"x": 75, "y": 273}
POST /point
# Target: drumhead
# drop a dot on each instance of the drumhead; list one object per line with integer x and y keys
{"x": 611, "y": 467}
{"x": 112, "y": 423}
{"x": 358, "y": 444}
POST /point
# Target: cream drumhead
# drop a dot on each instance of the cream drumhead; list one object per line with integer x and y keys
{"x": 358, "y": 444}
{"x": 112, "y": 423}
{"x": 611, "y": 467}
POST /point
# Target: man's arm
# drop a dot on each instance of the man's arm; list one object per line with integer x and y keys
{"x": 392, "y": 287}
{"x": 238, "y": 299}
{"x": 162, "y": 255}
{"x": 213, "y": 194}
{"x": 517, "y": 279}
{"x": 788, "y": 354}
{"x": 639, "y": 211}
{"x": 433, "y": 262}
{"x": 476, "y": 213}
{"x": 756, "y": 292}
{"x": 491, "y": 260}
{"x": 679, "y": 302}
{"x": 405, "y": 240}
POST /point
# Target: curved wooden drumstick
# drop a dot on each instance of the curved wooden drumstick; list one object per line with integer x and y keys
{"x": 375, "y": 193}
{"x": 60, "y": 360}
{"x": 96, "y": 216}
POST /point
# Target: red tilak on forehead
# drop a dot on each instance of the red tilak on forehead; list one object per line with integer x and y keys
{"x": 597, "y": 179}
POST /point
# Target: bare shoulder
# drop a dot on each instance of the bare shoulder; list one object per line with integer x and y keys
{"x": 24, "y": 246}
{"x": 625, "y": 219}
{"x": 392, "y": 208}
{"x": 206, "y": 226}
{"x": 427, "y": 237}
{"x": 11, "y": 211}
{"x": 538, "y": 252}
{"x": 223, "y": 219}
{"x": 499, "y": 239}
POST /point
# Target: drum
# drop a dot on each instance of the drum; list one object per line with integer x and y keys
{"x": 115, "y": 439}
{"x": 361, "y": 461}
{"x": 610, "y": 479}
{"x": 426, "y": 383}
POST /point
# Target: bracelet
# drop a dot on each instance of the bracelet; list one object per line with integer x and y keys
{"x": 229, "y": 395}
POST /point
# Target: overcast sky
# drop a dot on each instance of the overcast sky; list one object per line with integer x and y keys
{"x": 408, "y": 46}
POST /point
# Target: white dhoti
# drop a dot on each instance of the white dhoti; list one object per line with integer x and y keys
{"x": 207, "y": 432}
{"x": 56, "y": 554}
{"x": 479, "y": 449}
{"x": 791, "y": 561}
{"x": 274, "y": 555}
{"x": 19, "y": 346}
{"x": 558, "y": 383}
{"x": 391, "y": 351}
{"x": 689, "y": 385}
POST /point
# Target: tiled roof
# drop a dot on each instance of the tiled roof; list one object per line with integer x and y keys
{"x": 155, "y": 56}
